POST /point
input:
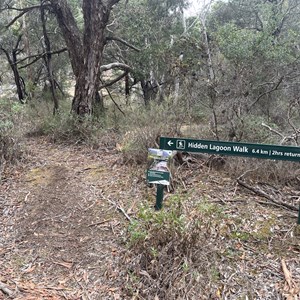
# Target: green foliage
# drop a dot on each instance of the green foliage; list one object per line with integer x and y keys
{"x": 242, "y": 45}
{"x": 240, "y": 235}
{"x": 136, "y": 233}
{"x": 66, "y": 127}
{"x": 142, "y": 127}
{"x": 11, "y": 116}
{"x": 258, "y": 35}
{"x": 174, "y": 241}
{"x": 157, "y": 229}
{"x": 208, "y": 209}
{"x": 154, "y": 27}
{"x": 237, "y": 44}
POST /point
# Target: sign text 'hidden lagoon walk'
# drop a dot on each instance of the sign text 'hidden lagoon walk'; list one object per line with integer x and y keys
{"x": 231, "y": 148}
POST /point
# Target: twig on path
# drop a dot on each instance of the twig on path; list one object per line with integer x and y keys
{"x": 291, "y": 288}
{"x": 99, "y": 223}
{"x": 84, "y": 290}
{"x": 4, "y": 288}
{"x": 25, "y": 200}
{"x": 287, "y": 273}
{"x": 119, "y": 208}
{"x": 220, "y": 200}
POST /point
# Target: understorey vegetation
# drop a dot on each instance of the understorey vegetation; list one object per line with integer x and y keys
{"x": 86, "y": 87}
{"x": 210, "y": 247}
{"x": 11, "y": 117}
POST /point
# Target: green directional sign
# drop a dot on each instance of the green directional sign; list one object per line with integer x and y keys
{"x": 230, "y": 148}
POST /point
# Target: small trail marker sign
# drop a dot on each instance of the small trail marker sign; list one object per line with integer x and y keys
{"x": 158, "y": 177}
{"x": 158, "y": 173}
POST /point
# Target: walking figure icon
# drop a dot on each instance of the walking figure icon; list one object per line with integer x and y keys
{"x": 180, "y": 144}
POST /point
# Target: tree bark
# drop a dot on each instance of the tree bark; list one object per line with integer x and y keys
{"x": 12, "y": 60}
{"x": 86, "y": 52}
{"x": 149, "y": 92}
{"x": 70, "y": 32}
{"x": 48, "y": 61}
{"x": 95, "y": 20}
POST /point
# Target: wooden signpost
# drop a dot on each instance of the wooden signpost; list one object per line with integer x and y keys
{"x": 170, "y": 144}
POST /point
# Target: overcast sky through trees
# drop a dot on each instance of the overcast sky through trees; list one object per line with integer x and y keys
{"x": 195, "y": 6}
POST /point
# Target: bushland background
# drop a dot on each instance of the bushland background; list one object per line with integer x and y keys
{"x": 86, "y": 88}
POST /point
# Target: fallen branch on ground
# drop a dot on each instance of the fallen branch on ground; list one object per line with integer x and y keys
{"x": 287, "y": 273}
{"x": 291, "y": 288}
{"x": 99, "y": 223}
{"x": 4, "y": 288}
{"x": 262, "y": 193}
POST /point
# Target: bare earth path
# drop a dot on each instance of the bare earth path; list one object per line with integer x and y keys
{"x": 63, "y": 228}
{"x": 61, "y": 232}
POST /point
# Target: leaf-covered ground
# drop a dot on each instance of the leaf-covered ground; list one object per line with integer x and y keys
{"x": 60, "y": 232}
{"x": 64, "y": 217}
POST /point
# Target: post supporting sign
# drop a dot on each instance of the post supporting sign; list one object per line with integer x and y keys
{"x": 263, "y": 151}
{"x": 159, "y": 197}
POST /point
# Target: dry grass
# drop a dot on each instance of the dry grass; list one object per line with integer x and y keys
{"x": 142, "y": 128}
{"x": 211, "y": 241}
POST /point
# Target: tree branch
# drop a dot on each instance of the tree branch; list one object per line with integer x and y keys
{"x": 71, "y": 33}
{"x": 284, "y": 138}
{"x": 23, "y": 11}
{"x": 111, "y": 3}
{"x": 39, "y": 56}
{"x": 105, "y": 85}
{"x": 113, "y": 100}
{"x": 18, "y": 42}
{"x": 119, "y": 208}
{"x": 296, "y": 130}
{"x": 8, "y": 7}
{"x": 6, "y": 54}
{"x": 115, "y": 65}
{"x": 267, "y": 92}
{"x": 264, "y": 194}
{"x": 4, "y": 288}
{"x": 273, "y": 130}
{"x": 112, "y": 38}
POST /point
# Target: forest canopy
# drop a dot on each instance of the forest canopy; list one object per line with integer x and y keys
{"x": 234, "y": 63}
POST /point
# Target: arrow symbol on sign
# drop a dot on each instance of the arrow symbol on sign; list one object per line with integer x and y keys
{"x": 170, "y": 143}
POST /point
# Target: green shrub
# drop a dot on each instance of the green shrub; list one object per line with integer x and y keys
{"x": 172, "y": 247}
{"x": 68, "y": 128}
{"x": 11, "y": 116}
{"x": 142, "y": 127}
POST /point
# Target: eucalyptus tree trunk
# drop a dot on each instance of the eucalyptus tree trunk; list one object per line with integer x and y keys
{"x": 48, "y": 61}
{"x": 85, "y": 50}
{"x": 70, "y": 32}
{"x": 212, "y": 93}
{"x": 149, "y": 91}
{"x": 12, "y": 60}
{"x": 95, "y": 19}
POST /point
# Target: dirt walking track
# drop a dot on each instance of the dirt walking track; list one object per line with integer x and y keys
{"x": 64, "y": 221}
{"x": 61, "y": 235}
